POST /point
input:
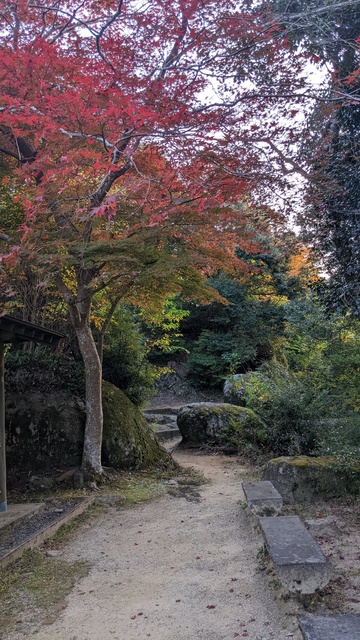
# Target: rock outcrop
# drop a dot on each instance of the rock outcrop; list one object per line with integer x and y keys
{"x": 128, "y": 440}
{"x": 45, "y": 431}
{"x": 236, "y": 387}
{"x": 302, "y": 478}
{"x": 221, "y": 425}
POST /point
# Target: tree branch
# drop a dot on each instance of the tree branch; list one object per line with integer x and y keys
{"x": 107, "y": 24}
{"x": 285, "y": 159}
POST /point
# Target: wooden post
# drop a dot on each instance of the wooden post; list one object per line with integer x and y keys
{"x": 3, "y": 498}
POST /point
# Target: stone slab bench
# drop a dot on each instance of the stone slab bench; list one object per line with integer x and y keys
{"x": 298, "y": 559}
{"x": 262, "y": 498}
{"x": 335, "y": 627}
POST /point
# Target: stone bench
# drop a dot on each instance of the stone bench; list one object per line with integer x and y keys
{"x": 262, "y": 498}
{"x": 298, "y": 559}
{"x": 335, "y": 627}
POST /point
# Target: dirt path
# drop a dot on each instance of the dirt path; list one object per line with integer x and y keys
{"x": 174, "y": 569}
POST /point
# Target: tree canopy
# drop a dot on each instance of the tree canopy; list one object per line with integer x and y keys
{"x": 138, "y": 142}
{"x": 129, "y": 135}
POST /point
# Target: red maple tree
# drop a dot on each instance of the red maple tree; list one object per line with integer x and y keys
{"x": 129, "y": 129}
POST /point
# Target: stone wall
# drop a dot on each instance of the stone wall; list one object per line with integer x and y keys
{"x": 44, "y": 430}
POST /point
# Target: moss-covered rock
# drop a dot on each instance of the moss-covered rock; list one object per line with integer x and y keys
{"x": 225, "y": 425}
{"x": 241, "y": 388}
{"x": 303, "y": 478}
{"x": 45, "y": 431}
{"x": 128, "y": 440}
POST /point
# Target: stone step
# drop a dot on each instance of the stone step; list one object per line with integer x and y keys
{"x": 298, "y": 559}
{"x": 336, "y": 627}
{"x": 162, "y": 410}
{"x": 160, "y": 418}
{"x": 262, "y": 498}
{"x": 168, "y": 434}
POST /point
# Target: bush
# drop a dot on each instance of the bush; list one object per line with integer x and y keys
{"x": 214, "y": 354}
{"x": 43, "y": 370}
{"x": 227, "y": 339}
{"x": 125, "y": 364}
{"x": 246, "y": 388}
{"x": 341, "y": 438}
{"x": 294, "y": 412}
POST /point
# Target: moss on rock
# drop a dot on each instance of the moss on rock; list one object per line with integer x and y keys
{"x": 241, "y": 388}
{"x": 128, "y": 441}
{"x": 224, "y": 425}
{"x": 45, "y": 431}
{"x": 302, "y": 478}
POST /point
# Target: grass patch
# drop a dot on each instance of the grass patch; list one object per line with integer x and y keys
{"x": 131, "y": 486}
{"x": 135, "y": 488}
{"x": 66, "y": 531}
{"x": 37, "y": 578}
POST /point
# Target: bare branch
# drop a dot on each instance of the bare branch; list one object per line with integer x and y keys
{"x": 286, "y": 160}
{"x": 107, "y": 24}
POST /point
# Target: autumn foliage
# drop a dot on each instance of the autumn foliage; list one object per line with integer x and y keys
{"x": 130, "y": 134}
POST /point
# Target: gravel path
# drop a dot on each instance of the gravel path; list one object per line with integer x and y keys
{"x": 180, "y": 568}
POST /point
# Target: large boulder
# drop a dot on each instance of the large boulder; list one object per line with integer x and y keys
{"x": 45, "y": 432}
{"x": 304, "y": 478}
{"x": 242, "y": 385}
{"x": 220, "y": 424}
{"x": 128, "y": 440}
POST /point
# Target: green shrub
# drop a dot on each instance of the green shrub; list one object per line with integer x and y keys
{"x": 294, "y": 413}
{"x": 341, "y": 438}
{"x": 214, "y": 355}
{"x": 43, "y": 370}
{"x": 125, "y": 362}
{"x": 227, "y": 339}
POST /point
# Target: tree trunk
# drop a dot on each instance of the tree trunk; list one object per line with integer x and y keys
{"x": 91, "y": 462}
{"x": 79, "y": 308}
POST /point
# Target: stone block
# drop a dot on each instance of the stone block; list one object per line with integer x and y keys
{"x": 262, "y": 498}
{"x": 298, "y": 559}
{"x": 335, "y": 627}
{"x": 304, "y": 478}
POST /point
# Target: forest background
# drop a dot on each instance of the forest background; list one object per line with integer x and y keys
{"x": 152, "y": 156}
